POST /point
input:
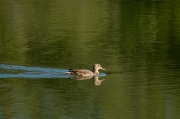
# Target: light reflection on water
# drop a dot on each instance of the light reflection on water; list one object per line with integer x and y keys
{"x": 12, "y": 71}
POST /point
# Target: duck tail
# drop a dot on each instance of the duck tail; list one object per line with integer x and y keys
{"x": 68, "y": 72}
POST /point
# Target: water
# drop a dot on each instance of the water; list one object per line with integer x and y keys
{"x": 137, "y": 42}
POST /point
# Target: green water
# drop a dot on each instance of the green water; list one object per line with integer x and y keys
{"x": 137, "y": 42}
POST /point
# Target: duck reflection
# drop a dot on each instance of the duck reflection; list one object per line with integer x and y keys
{"x": 83, "y": 77}
{"x": 96, "y": 79}
{"x": 97, "y": 82}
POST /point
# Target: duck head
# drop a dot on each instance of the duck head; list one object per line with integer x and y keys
{"x": 97, "y": 67}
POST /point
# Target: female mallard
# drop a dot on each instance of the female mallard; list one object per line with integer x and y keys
{"x": 85, "y": 72}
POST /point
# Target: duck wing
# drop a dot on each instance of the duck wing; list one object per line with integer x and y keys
{"x": 80, "y": 72}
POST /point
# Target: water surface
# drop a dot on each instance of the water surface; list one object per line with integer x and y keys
{"x": 138, "y": 42}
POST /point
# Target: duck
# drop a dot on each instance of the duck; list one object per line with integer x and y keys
{"x": 85, "y": 72}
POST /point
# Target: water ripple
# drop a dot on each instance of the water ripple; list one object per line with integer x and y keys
{"x": 13, "y": 71}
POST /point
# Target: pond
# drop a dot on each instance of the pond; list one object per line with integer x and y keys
{"x": 137, "y": 42}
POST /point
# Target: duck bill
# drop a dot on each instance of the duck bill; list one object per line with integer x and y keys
{"x": 103, "y": 68}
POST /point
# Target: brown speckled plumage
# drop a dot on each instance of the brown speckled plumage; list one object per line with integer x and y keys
{"x": 85, "y": 72}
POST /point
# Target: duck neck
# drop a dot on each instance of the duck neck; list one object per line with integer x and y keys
{"x": 95, "y": 70}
